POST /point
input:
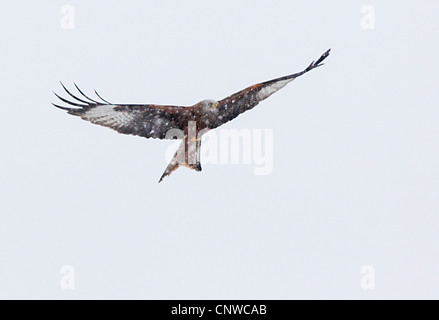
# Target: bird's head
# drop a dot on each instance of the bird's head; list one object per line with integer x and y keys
{"x": 209, "y": 111}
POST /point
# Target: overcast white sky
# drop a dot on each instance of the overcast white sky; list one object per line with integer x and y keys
{"x": 355, "y": 161}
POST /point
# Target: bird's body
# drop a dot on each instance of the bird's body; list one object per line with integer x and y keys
{"x": 176, "y": 122}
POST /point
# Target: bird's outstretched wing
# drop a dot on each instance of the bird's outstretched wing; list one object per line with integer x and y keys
{"x": 149, "y": 121}
{"x": 248, "y": 98}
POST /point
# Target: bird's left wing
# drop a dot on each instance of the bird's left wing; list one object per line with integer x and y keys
{"x": 149, "y": 121}
{"x": 248, "y": 98}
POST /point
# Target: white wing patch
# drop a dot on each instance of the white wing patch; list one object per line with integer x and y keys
{"x": 106, "y": 115}
{"x": 272, "y": 88}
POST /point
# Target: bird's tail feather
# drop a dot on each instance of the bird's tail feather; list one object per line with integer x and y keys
{"x": 180, "y": 158}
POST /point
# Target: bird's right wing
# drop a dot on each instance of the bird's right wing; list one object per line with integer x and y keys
{"x": 149, "y": 121}
{"x": 246, "y": 99}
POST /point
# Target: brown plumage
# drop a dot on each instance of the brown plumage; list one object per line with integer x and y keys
{"x": 176, "y": 122}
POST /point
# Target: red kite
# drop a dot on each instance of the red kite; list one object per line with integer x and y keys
{"x": 176, "y": 122}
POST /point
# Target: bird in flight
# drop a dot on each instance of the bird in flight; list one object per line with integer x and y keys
{"x": 175, "y": 122}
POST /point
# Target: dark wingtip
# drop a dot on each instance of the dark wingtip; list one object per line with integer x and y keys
{"x": 323, "y": 57}
{"x": 79, "y": 90}
{"x": 67, "y": 101}
{"x": 318, "y": 63}
{"x": 102, "y": 98}
{"x": 72, "y": 95}
{"x": 60, "y": 107}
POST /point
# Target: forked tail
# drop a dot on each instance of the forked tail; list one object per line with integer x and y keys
{"x": 187, "y": 155}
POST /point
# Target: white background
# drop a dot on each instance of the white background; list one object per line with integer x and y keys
{"x": 355, "y": 175}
